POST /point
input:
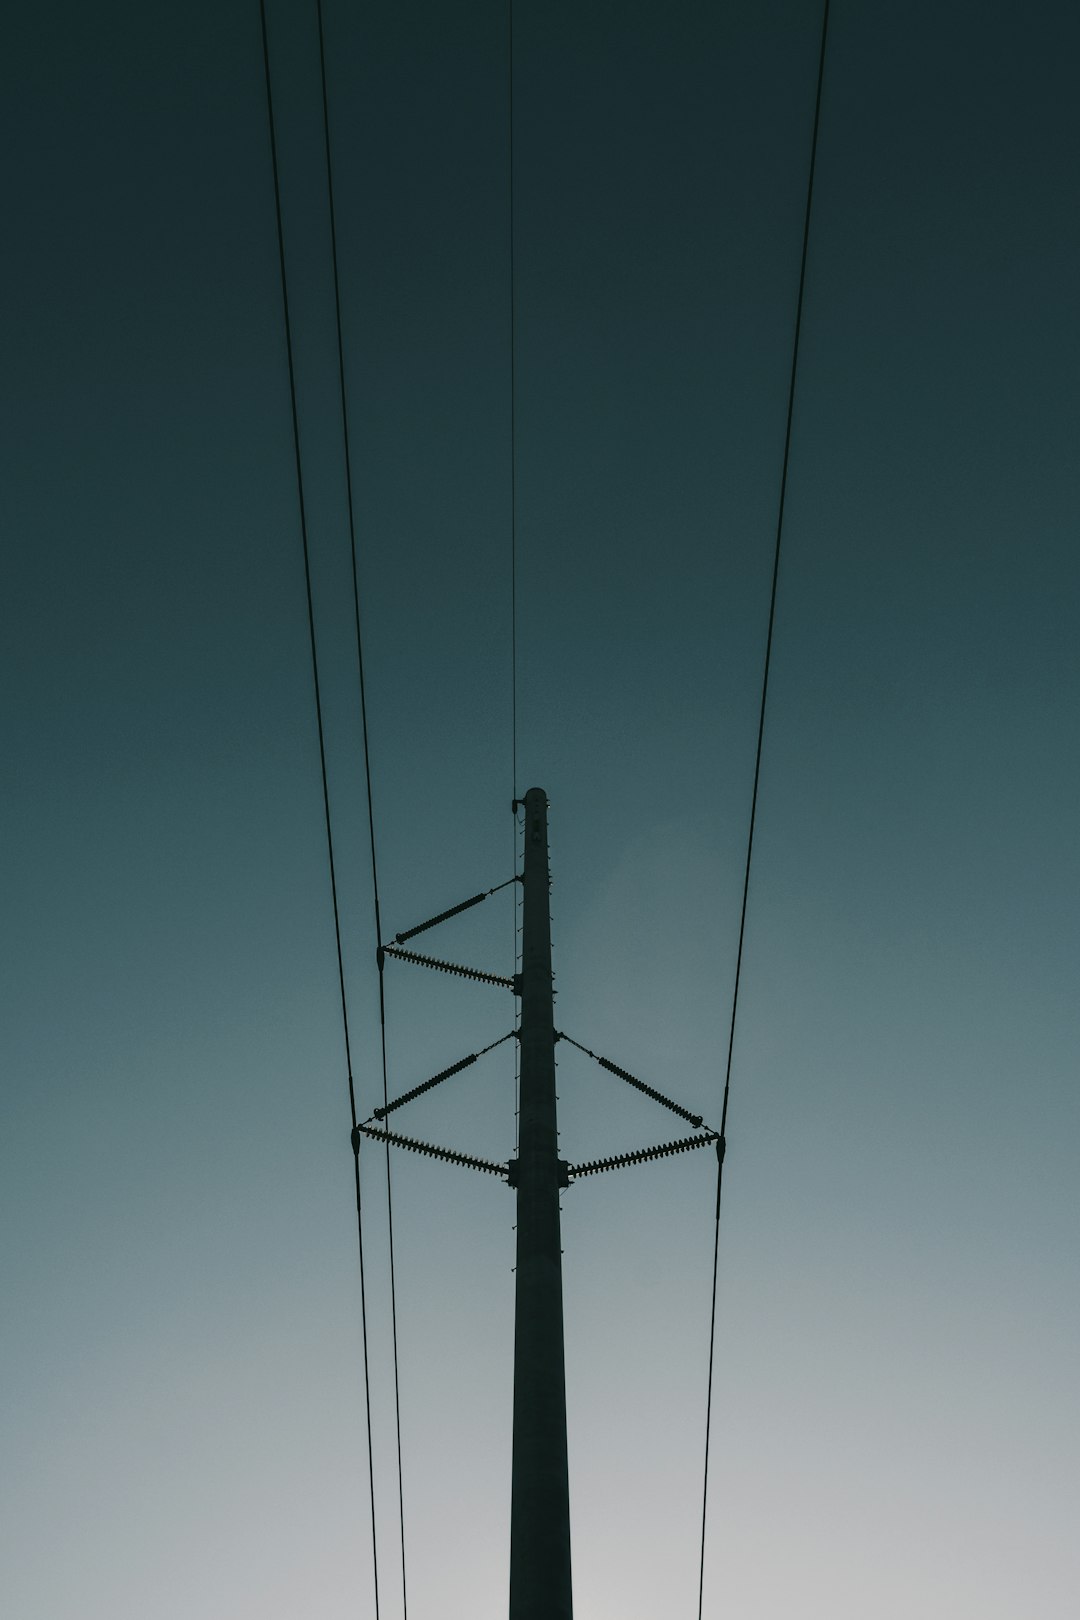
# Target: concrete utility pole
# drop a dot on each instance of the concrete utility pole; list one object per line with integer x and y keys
{"x": 540, "y": 1587}
{"x": 540, "y": 1583}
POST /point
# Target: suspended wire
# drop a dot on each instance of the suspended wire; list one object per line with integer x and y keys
{"x": 322, "y": 758}
{"x": 513, "y": 529}
{"x": 513, "y": 411}
{"x": 351, "y": 504}
{"x": 721, "y": 1144}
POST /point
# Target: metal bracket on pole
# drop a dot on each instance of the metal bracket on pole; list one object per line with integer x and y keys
{"x": 565, "y": 1172}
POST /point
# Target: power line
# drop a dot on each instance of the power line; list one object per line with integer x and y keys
{"x": 513, "y": 517}
{"x": 322, "y": 755}
{"x": 720, "y": 1146}
{"x": 513, "y": 410}
{"x": 343, "y": 396}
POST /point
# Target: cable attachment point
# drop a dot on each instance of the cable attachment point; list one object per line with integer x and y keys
{"x": 513, "y": 1166}
{"x": 356, "y": 1140}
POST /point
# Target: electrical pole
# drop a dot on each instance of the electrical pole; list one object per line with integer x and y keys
{"x": 540, "y": 1587}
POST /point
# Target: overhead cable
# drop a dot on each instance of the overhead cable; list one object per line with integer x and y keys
{"x": 793, "y": 376}
{"x": 351, "y": 504}
{"x": 299, "y": 473}
{"x": 513, "y": 404}
{"x": 513, "y": 507}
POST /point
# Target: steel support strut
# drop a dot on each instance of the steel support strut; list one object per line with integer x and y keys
{"x": 540, "y": 1587}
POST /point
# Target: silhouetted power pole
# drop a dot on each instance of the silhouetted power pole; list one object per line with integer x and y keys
{"x": 540, "y": 1587}
{"x": 540, "y": 1492}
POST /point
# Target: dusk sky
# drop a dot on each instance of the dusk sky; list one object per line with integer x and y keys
{"x": 896, "y": 1417}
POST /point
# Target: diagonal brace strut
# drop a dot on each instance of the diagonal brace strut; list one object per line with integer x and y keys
{"x": 464, "y": 905}
{"x": 437, "y": 1079}
{"x": 446, "y": 967}
{"x": 631, "y": 1080}
{"x": 427, "y": 1148}
{"x": 642, "y": 1155}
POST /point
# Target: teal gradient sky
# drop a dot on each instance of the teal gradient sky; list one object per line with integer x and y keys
{"x": 897, "y": 1417}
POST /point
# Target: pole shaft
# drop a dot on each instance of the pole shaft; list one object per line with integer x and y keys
{"x": 540, "y": 1587}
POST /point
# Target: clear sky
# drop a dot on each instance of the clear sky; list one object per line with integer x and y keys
{"x": 897, "y": 1420}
